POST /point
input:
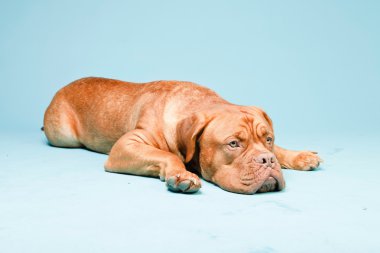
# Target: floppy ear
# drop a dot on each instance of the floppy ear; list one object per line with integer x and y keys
{"x": 188, "y": 132}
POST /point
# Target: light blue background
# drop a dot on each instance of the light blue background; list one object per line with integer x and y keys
{"x": 312, "y": 65}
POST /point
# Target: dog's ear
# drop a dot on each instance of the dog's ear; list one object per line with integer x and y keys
{"x": 188, "y": 132}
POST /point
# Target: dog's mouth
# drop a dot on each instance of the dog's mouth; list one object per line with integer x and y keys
{"x": 269, "y": 185}
{"x": 275, "y": 181}
{"x": 268, "y": 179}
{"x": 254, "y": 179}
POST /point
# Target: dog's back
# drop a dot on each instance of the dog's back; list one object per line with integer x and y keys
{"x": 95, "y": 112}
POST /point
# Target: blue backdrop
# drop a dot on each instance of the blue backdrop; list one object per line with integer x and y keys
{"x": 312, "y": 65}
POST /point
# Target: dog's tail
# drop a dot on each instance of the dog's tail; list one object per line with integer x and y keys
{"x": 42, "y": 128}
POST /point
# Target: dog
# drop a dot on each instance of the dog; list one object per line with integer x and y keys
{"x": 175, "y": 131}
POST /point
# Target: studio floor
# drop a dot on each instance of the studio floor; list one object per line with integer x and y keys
{"x": 61, "y": 200}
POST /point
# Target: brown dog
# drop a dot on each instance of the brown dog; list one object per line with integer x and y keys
{"x": 166, "y": 129}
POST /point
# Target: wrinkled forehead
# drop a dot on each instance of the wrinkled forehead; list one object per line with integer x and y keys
{"x": 242, "y": 123}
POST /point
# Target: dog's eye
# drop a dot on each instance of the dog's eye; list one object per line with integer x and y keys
{"x": 234, "y": 144}
{"x": 269, "y": 140}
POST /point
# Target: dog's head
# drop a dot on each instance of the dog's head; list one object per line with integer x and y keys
{"x": 235, "y": 148}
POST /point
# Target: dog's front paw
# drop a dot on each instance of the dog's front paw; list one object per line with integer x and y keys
{"x": 183, "y": 182}
{"x": 306, "y": 160}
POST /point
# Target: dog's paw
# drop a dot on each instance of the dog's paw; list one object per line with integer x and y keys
{"x": 306, "y": 160}
{"x": 183, "y": 182}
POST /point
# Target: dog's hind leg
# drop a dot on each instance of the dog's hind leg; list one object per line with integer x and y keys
{"x": 60, "y": 124}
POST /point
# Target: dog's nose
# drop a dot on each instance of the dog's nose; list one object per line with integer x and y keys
{"x": 267, "y": 159}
